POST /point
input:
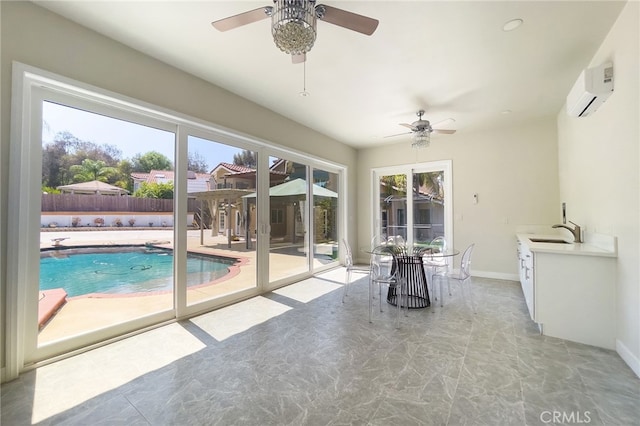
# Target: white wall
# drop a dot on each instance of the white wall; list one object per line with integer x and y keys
{"x": 514, "y": 171}
{"x": 600, "y": 172}
{"x": 37, "y": 37}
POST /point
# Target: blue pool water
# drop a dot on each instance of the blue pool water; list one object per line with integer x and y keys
{"x": 129, "y": 270}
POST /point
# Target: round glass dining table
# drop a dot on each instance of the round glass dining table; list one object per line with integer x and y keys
{"x": 411, "y": 268}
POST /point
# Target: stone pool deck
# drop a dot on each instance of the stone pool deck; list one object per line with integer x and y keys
{"x": 81, "y": 314}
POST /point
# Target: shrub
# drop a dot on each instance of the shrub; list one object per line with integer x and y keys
{"x": 75, "y": 221}
{"x": 132, "y": 221}
{"x": 98, "y": 221}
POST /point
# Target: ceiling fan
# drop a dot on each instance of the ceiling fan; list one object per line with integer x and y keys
{"x": 421, "y": 131}
{"x": 293, "y": 23}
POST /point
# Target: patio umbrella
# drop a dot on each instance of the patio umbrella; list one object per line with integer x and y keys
{"x": 296, "y": 187}
{"x": 293, "y": 191}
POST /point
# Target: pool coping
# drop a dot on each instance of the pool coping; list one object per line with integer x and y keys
{"x": 50, "y": 302}
{"x": 234, "y": 270}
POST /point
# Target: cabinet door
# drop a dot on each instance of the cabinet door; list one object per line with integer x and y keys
{"x": 525, "y": 269}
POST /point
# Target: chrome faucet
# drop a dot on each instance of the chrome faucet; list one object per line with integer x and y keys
{"x": 577, "y": 237}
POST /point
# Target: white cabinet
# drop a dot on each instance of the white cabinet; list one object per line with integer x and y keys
{"x": 569, "y": 290}
{"x": 525, "y": 265}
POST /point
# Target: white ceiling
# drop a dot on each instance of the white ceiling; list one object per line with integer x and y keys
{"x": 451, "y": 58}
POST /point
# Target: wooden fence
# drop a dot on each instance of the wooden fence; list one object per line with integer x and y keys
{"x": 108, "y": 203}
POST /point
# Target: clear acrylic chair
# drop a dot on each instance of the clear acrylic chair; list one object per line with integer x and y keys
{"x": 351, "y": 268}
{"x": 385, "y": 275}
{"x": 436, "y": 263}
{"x": 462, "y": 276}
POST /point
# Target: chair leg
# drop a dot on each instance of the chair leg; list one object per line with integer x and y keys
{"x": 470, "y": 290}
{"x": 434, "y": 293}
{"x": 346, "y": 285}
{"x": 399, "y": 302}
{"x": 371, "y": 283}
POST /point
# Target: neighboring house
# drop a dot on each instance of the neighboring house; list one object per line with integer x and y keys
{"x": 233, "y": 209}
{"x": 227, "y": 207}
{"x": 233, "y": 176}
{"x": 94, "y": 187}
{"x": 195, "y": 181}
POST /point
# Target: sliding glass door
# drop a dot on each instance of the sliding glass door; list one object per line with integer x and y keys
{"x": 326, "y": 218}
{"x": 413, "y": 203}
{"x": 106, "y": 219}
{"x": 221, "y": 234}
{"x": 134, "y": 216}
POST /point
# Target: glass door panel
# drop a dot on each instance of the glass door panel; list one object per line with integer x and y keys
{"x": 428, "y": 208}
{"x": 325, "y": 217}
{"x": 106, "y": 238}
{"x": 393, "y": 208}
{"x": 423, "y": 216}
{"x": 288, "y": 219}
{"x": 221, "y": 219}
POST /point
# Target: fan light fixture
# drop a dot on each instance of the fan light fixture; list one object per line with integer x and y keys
{"x": 421, "y": 139}
{"x": 293, "y": 26}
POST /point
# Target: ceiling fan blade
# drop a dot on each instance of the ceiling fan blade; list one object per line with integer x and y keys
{"x": 446, "y": 120}
{"x": 349, "y": 20}
{"x": 408, "y": 126}
{"x": 298, "y": 59}
{"x": 241, "y": 19}
{"x": 444, "y": 131}
{"x": 398, "y": 134}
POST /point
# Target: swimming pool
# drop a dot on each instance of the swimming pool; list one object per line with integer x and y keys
{"x": 122, "y": 270}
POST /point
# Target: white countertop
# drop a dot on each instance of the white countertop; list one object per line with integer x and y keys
{"x": 589, "y": 248}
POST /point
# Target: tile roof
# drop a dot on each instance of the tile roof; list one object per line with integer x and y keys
{"x": 235, "y": 168}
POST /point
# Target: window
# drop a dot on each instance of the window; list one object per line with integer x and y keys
{"x": 277, "y": 216}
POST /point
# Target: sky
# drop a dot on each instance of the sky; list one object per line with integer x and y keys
{"x": 128, "y": 137}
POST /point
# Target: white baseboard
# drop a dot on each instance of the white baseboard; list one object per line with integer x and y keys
{"x": 628, "y": 357}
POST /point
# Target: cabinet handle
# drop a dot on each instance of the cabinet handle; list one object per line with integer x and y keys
{"x": 526, "y": 273}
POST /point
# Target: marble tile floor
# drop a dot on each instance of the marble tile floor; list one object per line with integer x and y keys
{"x": 309, "y": 359}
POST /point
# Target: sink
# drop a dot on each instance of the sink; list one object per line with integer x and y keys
{"x": 548, "y": 240}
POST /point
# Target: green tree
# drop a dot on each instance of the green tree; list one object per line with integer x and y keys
{"x": 123, "y": 179}
{"x": 155, "y": 190}
{"x": 54, "y": 169}
{"x": 92, "y": 170}
{"x": 67, "y": 150}
{"x": 151, "y": 160}
{"x": 50, "y": 190}
{"x": 197, "y": 163}
{"x": 245, "y": 158}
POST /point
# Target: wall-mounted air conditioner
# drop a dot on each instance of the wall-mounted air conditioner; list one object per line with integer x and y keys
{"x": 593, "y": 87}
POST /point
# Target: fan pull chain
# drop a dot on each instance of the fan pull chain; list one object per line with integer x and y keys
{"x": 304, "y": 92}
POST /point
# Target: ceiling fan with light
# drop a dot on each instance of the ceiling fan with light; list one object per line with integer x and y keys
{"x": 421, "y": 131}
{"x": 293, "y": 23}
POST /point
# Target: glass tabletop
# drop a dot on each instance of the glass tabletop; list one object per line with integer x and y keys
{"x": 414, "y": 250}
